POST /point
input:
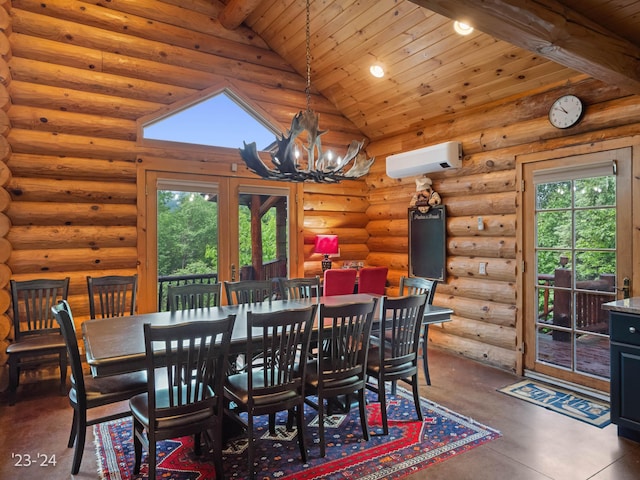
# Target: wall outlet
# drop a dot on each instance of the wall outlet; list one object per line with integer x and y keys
{"x": 482, "y": 270}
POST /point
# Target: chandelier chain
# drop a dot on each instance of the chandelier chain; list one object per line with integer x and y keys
{"x": 307, "y": 89}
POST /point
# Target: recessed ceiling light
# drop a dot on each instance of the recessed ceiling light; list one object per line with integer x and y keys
{"x": 377, "y": 70}
{"x": 462, "y": 28}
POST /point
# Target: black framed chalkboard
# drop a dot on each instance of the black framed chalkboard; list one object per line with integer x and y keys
{"x": 427, "y": 243}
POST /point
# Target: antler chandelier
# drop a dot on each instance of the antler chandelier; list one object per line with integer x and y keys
{"x": 321, "y": 166}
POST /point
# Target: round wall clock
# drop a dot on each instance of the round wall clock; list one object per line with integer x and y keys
{"x": 566, "y": 111}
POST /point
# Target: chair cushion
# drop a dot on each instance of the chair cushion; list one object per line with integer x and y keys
{"x": 100, "y": 391}
{"x": 373, "y": 363}
{"x": 312, "y": 378}
{"x": 140, "y": 409}
{"x": 238, "y": 386}
{"x": 37, "y": 343}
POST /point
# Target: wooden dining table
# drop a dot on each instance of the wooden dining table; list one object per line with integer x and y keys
{"x": 116, "y": 345}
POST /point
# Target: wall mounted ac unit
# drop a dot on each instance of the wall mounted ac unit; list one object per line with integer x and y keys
{"x": 435, "y": 158}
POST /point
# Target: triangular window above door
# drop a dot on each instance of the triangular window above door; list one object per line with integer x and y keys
{"x": 220, "y": 121}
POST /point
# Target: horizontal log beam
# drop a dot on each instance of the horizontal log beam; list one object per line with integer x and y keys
{"x": 554, "y": 31}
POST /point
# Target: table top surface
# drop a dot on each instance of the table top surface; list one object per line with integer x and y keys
{"x": 116, "y": 345}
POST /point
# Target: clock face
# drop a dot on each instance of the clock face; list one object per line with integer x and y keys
{"x": 565, "y": 111}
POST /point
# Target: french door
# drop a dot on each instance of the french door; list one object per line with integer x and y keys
{"x": 236, "y": 228}
{"x": 577, "y": 239}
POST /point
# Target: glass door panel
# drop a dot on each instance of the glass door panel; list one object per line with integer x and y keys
{"x": 579, "y": 227}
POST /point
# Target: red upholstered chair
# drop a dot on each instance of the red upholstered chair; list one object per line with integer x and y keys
{"x": 373, "y": 280}
{"x": 339, "y": 281}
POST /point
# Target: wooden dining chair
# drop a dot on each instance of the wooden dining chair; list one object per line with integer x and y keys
{"x": 115, "y": 295}
{"x": 297, "y": 288}
{"x": 339, "y": 281}
{"x": 420, "y": 286}
{"x": 273, "y": 381}
{"x": 193, "y": 295}
{"x": 396, "y": 357}
{"x": 248, "y": 291}
{"x": 191, "y": 359}
{"x": 37, "y": 340}
{"x": 339, "y": 368}
{"x": 373, "y": 280}
{"x": 87, "y": 392}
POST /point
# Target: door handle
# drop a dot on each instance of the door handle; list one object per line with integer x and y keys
{"x": 626, "y": 287}
{"x": 233, "y": 272}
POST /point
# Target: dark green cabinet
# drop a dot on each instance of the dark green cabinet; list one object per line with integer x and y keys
{"x": 625, "y": 373}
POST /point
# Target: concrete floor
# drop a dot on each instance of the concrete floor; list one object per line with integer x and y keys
{"x": 536, "y": 444}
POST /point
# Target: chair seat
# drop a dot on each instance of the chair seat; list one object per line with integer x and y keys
{"x": 238, "y": 386}
{"x": 127, "y": 384}
{"x": 37, "y": 343}
{"x": 140, "y": 408}
{"x": 312, "y": 378}
{"x": 373, "y": 363}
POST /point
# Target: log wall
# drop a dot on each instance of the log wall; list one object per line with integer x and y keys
{"x": 77, "y": 79}
{"x": 77, "y": 76}
{"x": 485, "y": 320}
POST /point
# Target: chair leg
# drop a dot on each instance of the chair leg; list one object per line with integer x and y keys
{"x": 152, "y": 457}
{"x": 250, "y": 446}
{"x": 382, "y": 397}
{"x": 321, "y": 425}
{"x": 272, "y": 424}
{"x": 197, "y": 449}
{"x": 425, "y": 360}
{"x": 63, "y": 373}
{"x": 215, "y": 434}
{"x": 300, "y": 432}
{"x": 74, "y": 429}
{"x": 363, "y": 413}
{"x": 137, "y": 445}
{"x": 81, "y": 435}
{"x": 14, "y": 377}
{"x": 416, "y": 395}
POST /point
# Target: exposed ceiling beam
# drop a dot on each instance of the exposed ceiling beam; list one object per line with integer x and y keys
{"x": 553, "y": 31}
{"x": 236, "y": 12}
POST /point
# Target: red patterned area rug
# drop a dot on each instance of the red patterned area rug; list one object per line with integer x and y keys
{"x": 410, "y": 446}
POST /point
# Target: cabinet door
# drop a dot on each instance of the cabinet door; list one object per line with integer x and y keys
{"x": 625, "y": 388}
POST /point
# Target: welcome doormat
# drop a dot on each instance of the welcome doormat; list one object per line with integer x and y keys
{"x": 410, "y": 446}
{"x": 561, "y": 401}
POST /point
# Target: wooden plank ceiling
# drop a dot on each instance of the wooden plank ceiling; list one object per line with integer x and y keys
{"x": 434, "y": 73}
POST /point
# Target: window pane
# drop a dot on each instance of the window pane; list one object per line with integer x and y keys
{"x": 554, "y": 229}
{"x": 553, "y": 195}
{"x": 598, "y": 191}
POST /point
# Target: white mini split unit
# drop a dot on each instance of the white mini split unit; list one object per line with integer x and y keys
{"x": 436, "y": 158}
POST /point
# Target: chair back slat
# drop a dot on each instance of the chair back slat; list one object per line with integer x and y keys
{"x": 418, "y": 286}
{"x": 402, "y": 323}
{"x": 62, "y": 314}
{"x": 114, "y": 294}
{"x": 248, "y": 291}
{"x": 344, "y": 340}
{"x": 32, "y": 303}
{"x": 194, "y": 295}
{"x": 189, "y": 359}
{"x": 277, "y": 363}
{"x": 297, "y": 288}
